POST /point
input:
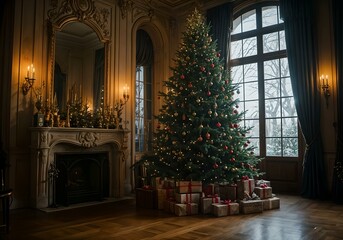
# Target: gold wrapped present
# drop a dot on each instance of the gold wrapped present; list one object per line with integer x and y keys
{"x": 162, "y": 195}
{"x": 271, "y": 203}
{"x": 189, "y": 186}
{"x": 206, "y": 203}
{"x": 263, "y": 192}
{"x": 183, "y": 209}
{"x": 228, "y": 191}
{"x": 245, "y": 185}
{"x": 225, "y": 209}
{"x": 251, "y": 206}
{"x": 187, "y": 197}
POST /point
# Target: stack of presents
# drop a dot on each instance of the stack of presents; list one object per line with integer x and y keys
{"x": 192, "y": 197}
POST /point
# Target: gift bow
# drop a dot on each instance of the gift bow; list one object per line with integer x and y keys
{"x": 263, "y": 185}
{"x": 227, "y": 202}
{"x": 245, "y": 178}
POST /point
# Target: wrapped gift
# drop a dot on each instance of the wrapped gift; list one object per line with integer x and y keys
{"x": 210, "y": 189}
{"x": 245, "y": 185}
{"x": 162, "y": 195}
{"x": 157, "y": 182}
{"x": 225, "y": 208}
{"x": 184, "y": 209}
{"x": 262, "y": 182}
{"x": 188, "y": 186}
{"x": 146, "y": 198}
{"x": 169, "y": 205}
{"x": 206, "y": 203}
{"x": 187, "y": 197}
{"x": 169, "y": 183}
{"x": 228, "y": 191}
{"x": 263, "y": 192}
{"x": 271, "y": 203}
{"x": 251, "y": 206}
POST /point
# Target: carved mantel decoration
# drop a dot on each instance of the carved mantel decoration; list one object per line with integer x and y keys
{"x": 46, "y": 142}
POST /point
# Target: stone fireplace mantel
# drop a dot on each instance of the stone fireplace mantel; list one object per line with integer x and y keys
{"x": 48, "y": 141}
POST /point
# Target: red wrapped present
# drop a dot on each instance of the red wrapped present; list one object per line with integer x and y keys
{"x": 228, "y": 191}
{"x": 189, "y": 186}
{"x": 210, "y": 189}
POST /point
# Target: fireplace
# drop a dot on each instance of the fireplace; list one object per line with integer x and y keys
{"x": 82, "y": 177}
{"x": 92, "y": 165}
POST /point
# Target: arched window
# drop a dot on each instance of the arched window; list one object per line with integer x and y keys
{"x": 143, "y": 92}
{"x": 259, "y": 65}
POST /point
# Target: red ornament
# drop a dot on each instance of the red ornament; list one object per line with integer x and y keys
{"x": 226, "y": 81}
{"x": 231, "y": 151}
{"x": 190, "y": 85}
{"x": 218, "y": 124}
{"x": 223, "y": 89}
{"x": 235, "y": 125}
{"x": 212, "y": 65}
{"x": 215, "y": 165}
{"x": 218, "y": 54}
{"x": 233, "y": 159}
{"x": 208, "y": 135}
{"x": 200, "y": 139}
{"x": 182, "y": 76}
{"x": 226, "y": 147}
{"x": 209, "y": 93}
{"x": 202, "y": 69}
{"x": 245, "y": 144}
{"x": 235, "y": 111}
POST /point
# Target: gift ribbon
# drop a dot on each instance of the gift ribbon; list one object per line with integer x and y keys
{"x": 227, "y": 202}
{"x": 147, "y": 187}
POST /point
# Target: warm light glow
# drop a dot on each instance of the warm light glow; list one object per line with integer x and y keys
{"x": 324, "y": 81}
{"x": 29, "y": 79}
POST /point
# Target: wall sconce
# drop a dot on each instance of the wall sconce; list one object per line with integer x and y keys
{"x": 126, "y": 98}
{"x": 29, "y": 79}
{"x": 325, "y": 87}
{"x": 126, "y": 93}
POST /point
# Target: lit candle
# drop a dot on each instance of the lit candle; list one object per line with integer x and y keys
{"x": 28, "y": 72}
{"x": 33, "y": 72}
{"x": 327, "y": 83}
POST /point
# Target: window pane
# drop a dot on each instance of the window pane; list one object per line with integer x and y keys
{"x": 251, "y": 91}
{"x": 284, "y": 67}
{"x": 256, "y": 143}
{"x": 280, "y": 20}
{"x": 286, "y": 87}
{"x": 252, "y": 109}
{"x": 249, "y": 47}
{"x": 289, "y": 127}
{"x": 237, "y": 74}
{"x": 288, "y": 107}
{"x": 270, "y": 42}
{"x": 237, "y": 26}
{"x": 269, "y": 16}
{"x": 282, "y": 40}
{"x": 272, "y": 88}
{"x": 272, "y": 108}
{"x": 240, "y": 93}
{"x": 250, "y": 72}
{"x": 290, "y": 147}
{"x": 271, "y": 69}
{"x": 273, "y": 146}
{"x": 236, "y": 49}
{"x": 249, "y": 20}
{"x": 255, "y": 130}
{"x": 273, "y": 127}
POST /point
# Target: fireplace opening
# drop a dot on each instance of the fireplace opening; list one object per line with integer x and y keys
{"x": 82, "y": 177}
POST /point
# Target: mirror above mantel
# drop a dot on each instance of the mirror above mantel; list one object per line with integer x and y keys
{"x": 78, "y": 47}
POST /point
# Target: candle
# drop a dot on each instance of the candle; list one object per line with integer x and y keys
{"x": 327, "y": 83}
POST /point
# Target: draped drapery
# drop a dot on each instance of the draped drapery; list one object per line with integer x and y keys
{"x": 144, "y": 49}
{"x": 220, "y": 20}
{"x": 337, "y": 186}
{"x": 298, "y": 16}
{"x": 99, "y": 76}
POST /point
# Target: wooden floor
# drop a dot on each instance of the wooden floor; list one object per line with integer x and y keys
{"x": 297, "y": 218}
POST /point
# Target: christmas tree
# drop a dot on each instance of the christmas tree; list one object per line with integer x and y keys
{"x": 199, "y": 136}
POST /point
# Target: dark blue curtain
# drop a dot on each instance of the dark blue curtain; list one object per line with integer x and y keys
{"x": 144, "y": 49}
{"x": 220, "y": 20}
{"x": 298, "y": 16}
{"x": 337, "y": 186}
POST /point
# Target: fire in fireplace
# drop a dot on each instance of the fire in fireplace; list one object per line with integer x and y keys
{"x": 82, "y": 177}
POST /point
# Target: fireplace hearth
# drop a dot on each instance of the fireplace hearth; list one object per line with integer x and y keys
{"x": 82, "y": 177}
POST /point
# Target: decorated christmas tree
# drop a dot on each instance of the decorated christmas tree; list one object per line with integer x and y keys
{"x": 199, "y": 135}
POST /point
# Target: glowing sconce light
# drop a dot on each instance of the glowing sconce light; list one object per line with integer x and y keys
{"x": 29, "y": 79}
{"x": 325, "y": 87}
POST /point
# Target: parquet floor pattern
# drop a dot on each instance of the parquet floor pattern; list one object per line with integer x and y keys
{"x": 298, "y": 218}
